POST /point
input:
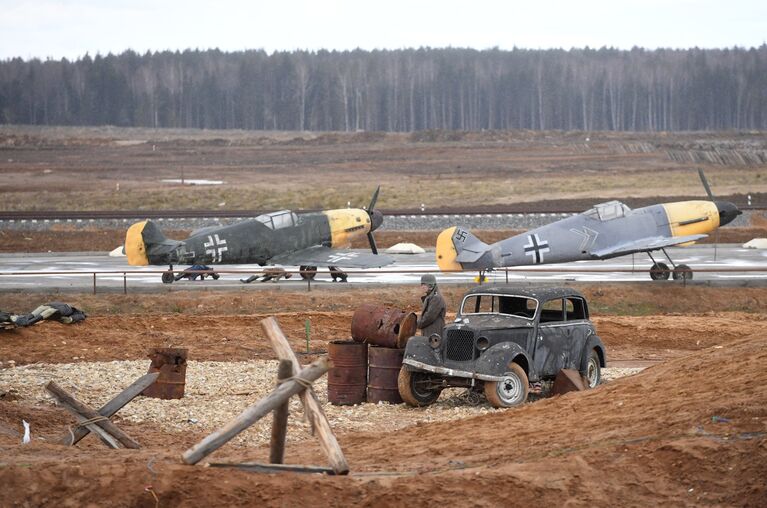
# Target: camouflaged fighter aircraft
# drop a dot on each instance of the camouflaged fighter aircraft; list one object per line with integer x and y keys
{"x": 606, "y": 231}
{"x": 307, "y": 240}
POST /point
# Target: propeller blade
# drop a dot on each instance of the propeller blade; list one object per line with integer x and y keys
{"x": 373, "y": 200}
{"x": 705, "y": 184}
{"x": 372, "y": 241}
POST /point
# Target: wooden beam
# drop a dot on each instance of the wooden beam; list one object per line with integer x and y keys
{"x": 113, "y": 406}
{"x": 85, "y": 413}
{"x": 280, "y": 418}
{"x": 255, "y": 412}
{"x": 312, "y": 406}
{"x": 275, "y": 468}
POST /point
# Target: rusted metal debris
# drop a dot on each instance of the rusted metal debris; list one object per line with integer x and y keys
{"x": 383, "y": 370}
{"x": 567, "y": 380}
{"x": 383, "y": 326}
{"x": 347, "y": 379}
{"x": 171, "y": 364}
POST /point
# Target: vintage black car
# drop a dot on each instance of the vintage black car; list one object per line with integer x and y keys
{"x": 504, "y": 338}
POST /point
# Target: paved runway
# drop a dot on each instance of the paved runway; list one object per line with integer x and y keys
{"x": 726, "y": 265}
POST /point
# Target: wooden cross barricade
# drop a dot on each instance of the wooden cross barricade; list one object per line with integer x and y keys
{"x": 98, "y": 422}
{"x": 292, "y": 380}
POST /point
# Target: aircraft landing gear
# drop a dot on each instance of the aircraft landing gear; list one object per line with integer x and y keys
{"x": 167, "y": 277}
{"x": 660, "y": 271}
{"x": 307, "y": 272}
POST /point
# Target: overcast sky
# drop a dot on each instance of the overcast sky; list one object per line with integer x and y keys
{"x": 71, "y": 28}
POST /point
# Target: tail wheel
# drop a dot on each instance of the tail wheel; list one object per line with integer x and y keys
{"x": 682, "y": 272}
{"x": 511, "y": 390}
{"x": 593, "y": 372}
{"x": 307, "y": 272}
{"x": 414, "y": 388}
{"x": 167, "y": 277}
{"x": 659, "y": 271}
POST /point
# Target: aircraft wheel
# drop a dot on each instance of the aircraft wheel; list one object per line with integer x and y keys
{"x": 682, "y": 272}
{"x": 659, "y": 271}
{"x": 167, "y": 277}
{"x": 307, "y": 272}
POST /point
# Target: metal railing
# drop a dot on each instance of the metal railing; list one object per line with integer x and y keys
{"x": 481, "y": 276}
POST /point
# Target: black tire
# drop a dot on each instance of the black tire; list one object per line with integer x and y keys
{"x": 511, "y": 391}
{"x": 167, "y": 277}
{"x": 592, "y": 370}
{"x": 307, "y": 272}
{"x": 411, "y": 389}
{"x": 682, "y": 272}
{"x": 659, "y": 271}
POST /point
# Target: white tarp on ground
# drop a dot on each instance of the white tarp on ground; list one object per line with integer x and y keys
{"x": 118, "y": 252}
{"x": 756, "y": 243}
{"x": 405, "y": 248}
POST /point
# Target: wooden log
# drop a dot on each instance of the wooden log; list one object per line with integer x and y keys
{"x": 113, "y": 406}
{"x": 255, "y": 412}
{"x": 311, "y": 403}
{"x": 280, "y": 418}
{"x": 255, "y": 467}
{"x": 83, "y": 413}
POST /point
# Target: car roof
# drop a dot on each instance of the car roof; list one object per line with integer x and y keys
{"x": 543, "y": 294}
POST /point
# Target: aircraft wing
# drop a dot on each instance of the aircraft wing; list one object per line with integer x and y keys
{"x": 644, "y": 245}
{"x": 325, "y": 256}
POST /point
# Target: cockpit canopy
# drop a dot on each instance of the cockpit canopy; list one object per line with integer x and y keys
{"x": 278, "y": 220}
{"x": 608, "y": 211}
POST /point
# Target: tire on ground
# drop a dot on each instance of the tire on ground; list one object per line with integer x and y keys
{"x": 509, "y": 392}
{"x": 410, "y": 392}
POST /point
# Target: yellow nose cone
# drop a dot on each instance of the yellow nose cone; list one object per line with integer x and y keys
{"x": 135, "y": 249}
{"x": 446, "y": 253}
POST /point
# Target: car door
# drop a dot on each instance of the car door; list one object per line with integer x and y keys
{"x": 577, "y": 330}
{"x": 552, "y": 349}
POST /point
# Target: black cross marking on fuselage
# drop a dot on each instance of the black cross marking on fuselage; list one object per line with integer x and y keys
{"x": 536, "y": 247}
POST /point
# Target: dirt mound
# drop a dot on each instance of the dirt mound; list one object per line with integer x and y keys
{"x": 690, "y": 431}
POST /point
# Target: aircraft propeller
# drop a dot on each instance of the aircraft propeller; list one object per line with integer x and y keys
{"x": 376, "y": 219}
{"x": 727, "y": 211}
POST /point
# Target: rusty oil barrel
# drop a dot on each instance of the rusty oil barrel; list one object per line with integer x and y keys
{"x": 383, "y": 326}
{"x": 347, "y": 378}
{"x": 171, "y": 364}
{"x": 384, "y": 366}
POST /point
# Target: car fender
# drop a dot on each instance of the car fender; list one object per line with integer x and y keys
{"x": 495, "y": 360}
{"x": 418, "y": 350}
{"x": 593, "y": 342}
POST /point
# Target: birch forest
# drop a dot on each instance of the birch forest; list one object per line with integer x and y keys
{"x": 395, "y": 90}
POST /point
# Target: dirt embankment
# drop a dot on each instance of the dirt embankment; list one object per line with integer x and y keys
{"x": 688, "y": 432}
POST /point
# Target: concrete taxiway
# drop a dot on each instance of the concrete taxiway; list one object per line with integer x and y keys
{"x": 722, "y": 265}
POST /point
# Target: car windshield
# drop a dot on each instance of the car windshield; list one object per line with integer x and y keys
{"x": 521, "y": 306}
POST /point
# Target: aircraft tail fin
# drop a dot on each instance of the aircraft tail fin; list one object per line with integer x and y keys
{"x": 457, "y": 248}
{"x": 146, "y": 244}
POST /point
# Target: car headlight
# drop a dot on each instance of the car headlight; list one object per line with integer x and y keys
{"x": 435, "y": 340}
{"x": 483, "y": 343}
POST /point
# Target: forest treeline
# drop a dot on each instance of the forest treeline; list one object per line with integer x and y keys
{"x": 397, "y": 90}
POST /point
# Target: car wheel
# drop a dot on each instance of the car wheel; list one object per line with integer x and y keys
{"x": 593, "y": 372}
{"x": 413, "y": 389}
{"x": 511, "y": 390}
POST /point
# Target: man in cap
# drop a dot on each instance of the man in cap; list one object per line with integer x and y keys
{"x": 432, "y": 318}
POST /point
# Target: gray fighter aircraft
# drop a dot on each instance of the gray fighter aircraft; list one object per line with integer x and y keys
{"x": 283, "y": 237}
{"x": 606, "y": 231}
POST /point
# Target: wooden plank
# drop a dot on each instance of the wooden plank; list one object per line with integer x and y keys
{"x": 276, "y": 468}
{"x": 311, "y": 403}
{"x": 280, "y": 418}
{"x": 113, "y": 406}
{"x": 254, "y": 413}
{"x": 87, "y": 413}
